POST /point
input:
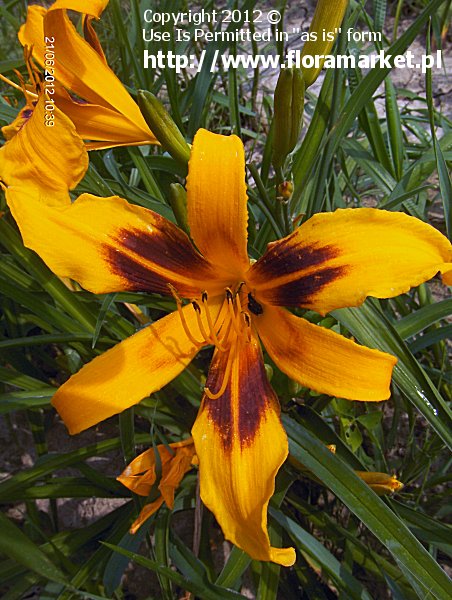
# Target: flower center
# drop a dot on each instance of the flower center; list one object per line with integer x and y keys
{"x": 228, "y": 331}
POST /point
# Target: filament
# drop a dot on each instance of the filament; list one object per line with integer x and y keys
{"x": 204, "y": 333}
{"x": 194, "y": 341}
{"x": 227, "y": 373}
{"x": 233, "y": 316}
{"x": 213, "y": 334}
{"x": 231, "y": 326}
{"x": 17, "y": 87}
{"x": 247, "y": 319}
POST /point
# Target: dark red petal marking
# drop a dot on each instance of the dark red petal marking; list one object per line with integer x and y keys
{"x": 282, "y": 259}
{"x": 256, "y": 394}
{"x": 292, "y": 275}
{"x": 301, "y": 291}
{"x": 140, "y": 256}
{"x": 246, "y": 399}
{"x": 139, "y": 278}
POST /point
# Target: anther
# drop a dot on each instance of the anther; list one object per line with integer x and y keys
{"x": 213, "y": 334}
{"x": 247, "y": 320}
{"x": 254, "y": 305}
{"x": 175, "y": 295}
{"x": 204, "y": 333}
{"x": 229, "y": 295}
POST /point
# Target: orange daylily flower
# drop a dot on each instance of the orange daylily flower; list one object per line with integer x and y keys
{"x": 101, "y": 109}
{"x": 141, "y": 475}
{"x": 331, "y": 261}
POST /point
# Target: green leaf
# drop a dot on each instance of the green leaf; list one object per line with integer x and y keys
{"x": 369, "y": 508}
{"x": 371, "y": 328}
{"x": 234, "y": 568}
{"x": 201, "y": 588}
{"x": 107, "y": 302}
{"x": 37, "y": 398}
{"x": 443, "y": 173}
{"x": 52, "y": 462}
{"x": 15, "y": 544}
{"x": 431, "y": 337}
{"x": 423, "y": 318}
{"x": 306, "y": 543}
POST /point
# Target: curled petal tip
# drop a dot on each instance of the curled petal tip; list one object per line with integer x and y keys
{"x": 283, "y": 556}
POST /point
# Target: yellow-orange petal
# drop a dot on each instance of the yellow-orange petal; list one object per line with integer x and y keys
{"x": 323, "y": 360}
{"x": 90, "y": 36}
{"x": 217, "y": 201}
{"x": 381, "y": 483}
{"x": 130, "y": 371}
{"x": 241, "y": 444}
{"x": 44, "y": 161}
{"x": 33, "y": 34}
{"x": 337, "y": 259}
{"x": 23, "y": 116}
{"x": 94, "y": 8}
{"x": 108, "y": 245}
{"x": 88, "y": 72}
{"x": 175, "y": 460}
{"x": 146, "y": 512}
{"x": 90, "y": 9}
{"x": 80, "y": 68}
{"x": 102, "y": 126}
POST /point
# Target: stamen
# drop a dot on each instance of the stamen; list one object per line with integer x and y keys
{"x": 232, "y": 315}
{"x": 175, "y": 295}
{"x": 204, "y": 333}
{"x": 226, "y": 338}
{"x": 247, "y": 319}
{"x": 213, "y": 334}
{"x": 227, "y": 372}
{"x": 239, "y": 304}
{"x": 29, "y": 69}
{"x": 17, "y": 87}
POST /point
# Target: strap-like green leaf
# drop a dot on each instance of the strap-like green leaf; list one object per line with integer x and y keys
{"x": 368, "y": 507}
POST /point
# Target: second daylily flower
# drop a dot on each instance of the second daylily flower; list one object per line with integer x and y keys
{"x": 101, "y": 108}
{"x": 333, "y": 260}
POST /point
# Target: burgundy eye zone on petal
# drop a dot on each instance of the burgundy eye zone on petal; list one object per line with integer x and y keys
{"x": 282, "y": 258}
{"x": 246, "y": 399}
{"x": 273, "y": 272}
{"x": 149, "y": 261}
{"x": 302, "y": 290}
